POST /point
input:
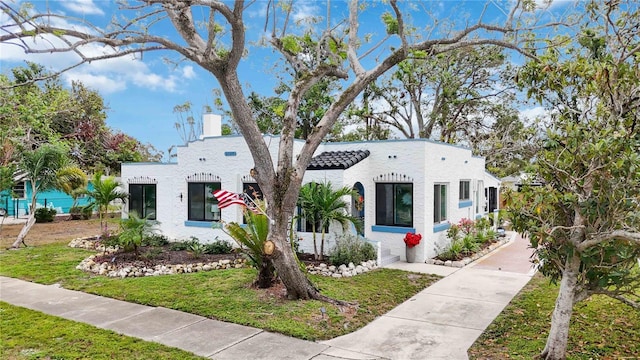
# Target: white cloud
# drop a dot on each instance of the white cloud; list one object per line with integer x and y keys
{"x": 304, "y": 12}
{"x": 532, "y": 115}
{"x": 85, "y": 7}
{"x": 188, "y": 72}
{"x": 155, "y": 82}
{"x": 103, "y": 83}
{"x": 258, "y": 10}
{"x": 106, "y": 76}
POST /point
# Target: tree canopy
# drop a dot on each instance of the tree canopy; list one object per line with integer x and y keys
{"x": 35, "y": 113}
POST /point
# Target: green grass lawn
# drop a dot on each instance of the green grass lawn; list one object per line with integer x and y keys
{"x": 28, "y": 334}
{"x": 601, "y": 328}
{"x": 226, "y": 294}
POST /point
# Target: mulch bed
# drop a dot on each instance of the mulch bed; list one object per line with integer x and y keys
{"x": 164, "y": 255}
{"x": 151, "y": 255}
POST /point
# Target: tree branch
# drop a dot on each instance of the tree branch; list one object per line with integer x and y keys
{"x": 599, "y": 238}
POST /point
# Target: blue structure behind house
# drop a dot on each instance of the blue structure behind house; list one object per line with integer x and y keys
{"x": 55, "y": 199}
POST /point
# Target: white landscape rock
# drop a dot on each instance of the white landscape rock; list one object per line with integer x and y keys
{"x": 110, "y": 270}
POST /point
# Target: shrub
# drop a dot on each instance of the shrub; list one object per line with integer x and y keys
{"x": 453, "y": 251}
{"x": 466, "y": 225}
{"x": 218, "y": 247}
{"x": 152, "y": 253}
{"x": 350, "y": 248}
{"x": 453, "y": 232}
{"x": 87, "y": 211}
{"x": 252, "y": 240}
{"x": 75, "y": 212}
{"x": 155, "y": 240}
{"x": 196, "y": 249}
{"x": 483, "y": 224}
{"x": 134, "y": 229}
{"x": 469, "y": 244}
{"x": 45, "y": 215}
{"x": 183, "y": 245}
{"x": 110, "y": 240}
{"x": 481, "y": 237}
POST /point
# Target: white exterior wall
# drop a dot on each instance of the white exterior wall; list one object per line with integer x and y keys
{"x": 419, "y": 161}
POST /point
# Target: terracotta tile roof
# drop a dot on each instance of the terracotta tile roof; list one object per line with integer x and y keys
{"x": 337, "y": 160}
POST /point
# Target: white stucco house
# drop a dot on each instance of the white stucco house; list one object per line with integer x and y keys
{"x": 410, "y": 185}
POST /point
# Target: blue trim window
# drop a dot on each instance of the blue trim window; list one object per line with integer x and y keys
{"x": 439, "y": 203}
{"x": 142, "y": 200}
{"x": 394, "y": 204}
{"x": 464, "y": 190}
{"x": 202, "y": 205}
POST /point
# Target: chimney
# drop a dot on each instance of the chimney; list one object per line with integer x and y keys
{"x": 211, "y": 125}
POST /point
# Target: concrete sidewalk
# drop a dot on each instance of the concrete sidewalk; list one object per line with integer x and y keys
{"x": 445, "y": 319}
{"x": 441, "y": 322}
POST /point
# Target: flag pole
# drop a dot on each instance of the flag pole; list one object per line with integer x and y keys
{"x": 247, "y": 197}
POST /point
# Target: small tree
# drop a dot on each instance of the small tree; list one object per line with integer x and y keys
{"x": 105, "y": 190}
{"x": 323, "y": 206}
{"x": 41, "y": 167}
{"x": 584, "y": 221}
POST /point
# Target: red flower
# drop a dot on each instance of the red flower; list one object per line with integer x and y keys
{"x": 412, "y": 240}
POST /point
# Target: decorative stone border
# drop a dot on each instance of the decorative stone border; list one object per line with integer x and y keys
{"x": 91, "y": 243}
{"x": 468, "y": 260}
{"x": 342, "y": 270}
{"x": 111, "y": 270}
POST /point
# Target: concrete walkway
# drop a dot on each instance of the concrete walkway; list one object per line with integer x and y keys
{"x": 441, "y": 322}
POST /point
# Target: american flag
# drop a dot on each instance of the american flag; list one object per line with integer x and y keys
{"x": 228, "y": 198}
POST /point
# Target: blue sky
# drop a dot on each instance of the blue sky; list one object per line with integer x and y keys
{"x": 142, "y": 92}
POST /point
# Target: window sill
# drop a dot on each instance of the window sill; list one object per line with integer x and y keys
{"x": 202, "y": 224}
{"x": 441, "y": 227}
{"x": 464, "y": 204}
{"x": 393, "y": 229}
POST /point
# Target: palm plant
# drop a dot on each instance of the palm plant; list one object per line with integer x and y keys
{"x": 105, "y": 190}
{"x": 252, "y": 239}
{"x": 134, "y": 230}
{"x": 323, "y": 205}
{"x": 308, "y": 210}
{"x": 41, "y": 167}
{"x": 73, "y": 182}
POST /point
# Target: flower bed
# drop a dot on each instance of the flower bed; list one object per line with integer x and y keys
{"x": 468, "y": 259}
{"x": 101, "y": 265}
{"x": 97, "y": 263}
{"x": 469, "y": 240}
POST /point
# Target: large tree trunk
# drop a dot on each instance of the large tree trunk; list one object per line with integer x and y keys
{"x": 297, "y": 284}
{"x": 25, "y": 230}
{"x": 556, "y": 346}
{"x": 287, "y": 269}
{"x": 265, "y": 274}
